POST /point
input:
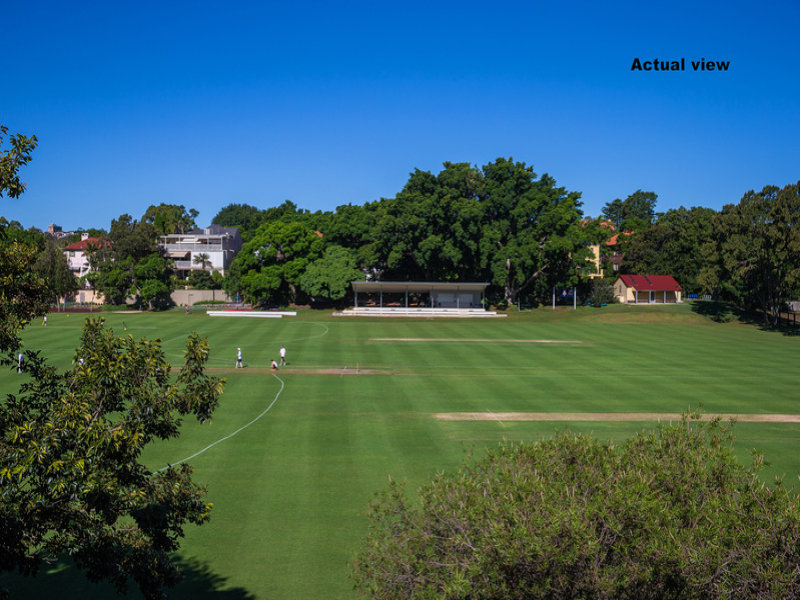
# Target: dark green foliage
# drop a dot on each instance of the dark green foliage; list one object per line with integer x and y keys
{"x": 601, "y": 292}
{"x": 499, "y": 224}
{"x": 170, "y": 218}
{"x": 430, "y": 230}
{"x": 15, "y": 233}
{"x": 636, "y": 212}
{"x": 721, "y": 312}
{"x": 23, "y": 293}
{"x": 269, "y": 266}
{"x": 669, "y": 513}
{"x": 203, "y": 280}
{"x": 70, "y": 476}
{"x": 247, "y": 218}
{"x": 133, "y": 264}
{"x": 17, "y": 155}
{"x": 531, "y": 237}
{"x": 673, "y": 246}
{"x": 328, "y": 278}
{"x": 51, "y": 265}
{"x": 70, "y": 479}
{"x": 753, "y": 256}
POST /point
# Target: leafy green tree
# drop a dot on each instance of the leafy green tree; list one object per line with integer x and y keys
{"x": 613, "y": 213}
{"x": 70, "y": 479}
{"x": 754, "y": 253}
{"x": 131, "y": 239}
{"x": 669, "y": 513}
{"x": 532, "y": 236}
{"x": 601, "y": 292}
{"x": 269, "y": 266}
{"x": 354, "y": 227}
{"x": 202, "y": 280}
{"x": 430, "y": 230}
{"x": 328, "y": 278}
{"x": 51, "y": 265}
{"x": 672, "y": 246}
{"x": 244, "y": 216}
{"x": 23, "y": 293}
{"x": 15, "y": 233}
{"x": 167, "y": 219}
{"x": 132, "y": 264}
{"x": 637, "y": 211}
{"x": 113, "y": 279}
{"x": 152, "y": 278}
{"x": 17, "y": 155}
{"x": 70, "y": 473}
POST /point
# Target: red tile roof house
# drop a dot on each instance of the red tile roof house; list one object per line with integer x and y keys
{"x": 78, "y": 256}
{"x": 647, "y": 289}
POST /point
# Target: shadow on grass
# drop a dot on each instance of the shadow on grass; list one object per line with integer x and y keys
{"x": 721, "y": 312}
{"x": 65, "y": 582}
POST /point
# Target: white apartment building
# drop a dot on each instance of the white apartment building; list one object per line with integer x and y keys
{"x": 219, "y": 244}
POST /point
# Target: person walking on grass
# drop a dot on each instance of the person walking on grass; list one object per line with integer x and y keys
{"x": 283, "y": 355}
{"x": 19, "y": 363}
{"x": 239, "y": 364}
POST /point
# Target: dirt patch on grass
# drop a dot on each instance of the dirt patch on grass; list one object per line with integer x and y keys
{"x": 552, "y": 416}
{"x": 345, "y": 371}
{"x": 472, "y": 340}
{"x": 267, "y": 371}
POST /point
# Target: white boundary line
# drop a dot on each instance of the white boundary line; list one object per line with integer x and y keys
{"x": 230, "y": 435}
{"x": 243, "y": 427}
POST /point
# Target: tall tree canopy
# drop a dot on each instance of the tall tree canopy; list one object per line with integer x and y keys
{"x": 430, "y": 230}
{"x": 672, "y": 246}
{"x": 170, "y": 218}
{"x": 754, "y": 254}
{"x": 51, "y": 265}
{"x": 532, "y": 236}
{"x": 636, "y": 212}
{"x": 269, "y": 266}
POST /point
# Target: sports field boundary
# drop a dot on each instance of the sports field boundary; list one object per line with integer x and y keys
{"x": 230, "y": 435}
{"x": 575, "y": 416}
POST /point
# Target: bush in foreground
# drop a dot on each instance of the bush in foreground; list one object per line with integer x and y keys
{"x": 669, "y": 513}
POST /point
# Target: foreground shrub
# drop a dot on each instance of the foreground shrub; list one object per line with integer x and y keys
{"x": 669, "y": 513}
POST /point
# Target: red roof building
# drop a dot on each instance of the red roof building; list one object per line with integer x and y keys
{"x": 78, "y": 258}
{"x": 647, "y": 289}
{"x": 81, "y": 245}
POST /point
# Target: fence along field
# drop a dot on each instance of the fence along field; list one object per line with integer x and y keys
{"x": 290, "y": 489}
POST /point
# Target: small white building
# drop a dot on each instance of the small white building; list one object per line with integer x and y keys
{"x": 219, "y": 244}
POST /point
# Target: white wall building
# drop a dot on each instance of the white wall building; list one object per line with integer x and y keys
{"x": 220, "y": 244}
{"x": 78, "y": 256}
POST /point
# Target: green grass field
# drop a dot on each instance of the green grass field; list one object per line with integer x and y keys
{"x": 290, "y": 491}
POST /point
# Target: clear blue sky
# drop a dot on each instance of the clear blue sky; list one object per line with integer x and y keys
{"x": 327, "y": 103}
